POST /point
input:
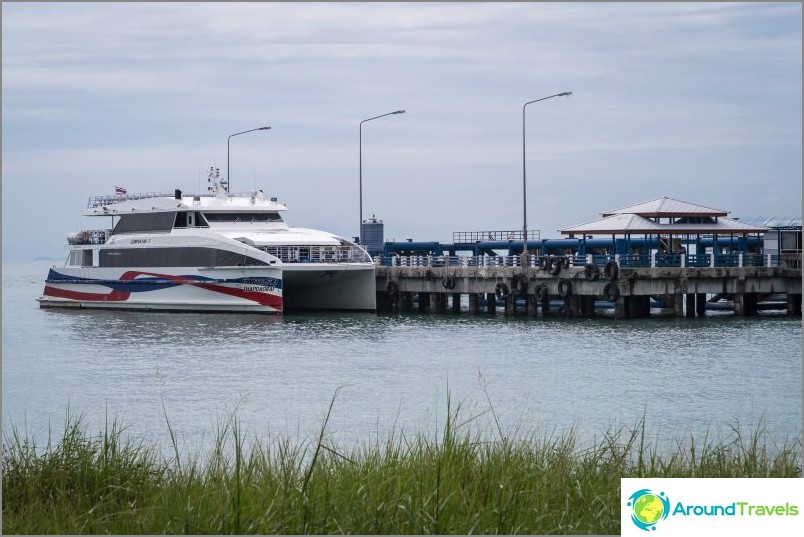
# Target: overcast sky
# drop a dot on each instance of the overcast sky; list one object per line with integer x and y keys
{"x": 696, "y": 101}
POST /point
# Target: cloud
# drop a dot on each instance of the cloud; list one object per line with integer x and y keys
{"x": 700, "y": 96}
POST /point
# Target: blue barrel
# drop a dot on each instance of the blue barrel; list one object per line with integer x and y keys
{"x": 372, "y": 235}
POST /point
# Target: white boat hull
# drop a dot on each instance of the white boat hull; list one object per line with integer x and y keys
{"x": 220, "y": 289}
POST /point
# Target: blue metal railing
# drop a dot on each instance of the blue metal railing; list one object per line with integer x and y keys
{"x": 635, "y": 260}
{"x": 727, "y": 260}
{"x": 660, "y": 259}
{"x": 697, "y": 260}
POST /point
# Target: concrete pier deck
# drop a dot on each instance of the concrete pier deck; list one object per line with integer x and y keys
{"x": 682, "y": 289}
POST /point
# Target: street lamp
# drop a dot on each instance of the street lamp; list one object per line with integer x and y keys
{"x": 524, "y": 181}
{"x": 360, "y": 229}
{"x": 228, "y": 178}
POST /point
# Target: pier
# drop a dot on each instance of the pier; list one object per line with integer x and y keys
{"x": 663, "y": 253}
{"x": 573, "y": 287}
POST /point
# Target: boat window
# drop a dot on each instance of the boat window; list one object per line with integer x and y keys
{"x": 200, "y": 221}
{"x": 175, "y": 257}
{"x": 190, "y": 219}
{"x": 134, "y": 223}
{"x": 181, "y": 219}
{"x": 74, "y": 259}
{"x": 243, "y": 217}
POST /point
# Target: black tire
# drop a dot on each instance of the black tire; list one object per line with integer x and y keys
{"x": 544, "y": 263}
{"x": 448, "y": 282}
{"x": 592, "y": 272}
{"x": 555, "y": 265}
{"x": 612, "y": 292}
{"x": 392, "y": 289}
{"x": 611, "y": 271}
{"x": 564, "y": 288}
{"x": 502, "y": 291}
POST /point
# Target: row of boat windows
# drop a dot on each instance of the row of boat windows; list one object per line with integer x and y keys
{"x": 187, "y": 256}
{"x": 165, "y": 221}
{"x": 243, "y": 217}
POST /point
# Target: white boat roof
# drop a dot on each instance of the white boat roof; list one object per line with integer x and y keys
{"x": 161, "y": 202}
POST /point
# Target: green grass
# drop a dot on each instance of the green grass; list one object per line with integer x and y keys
{"x": 459, "y": 482}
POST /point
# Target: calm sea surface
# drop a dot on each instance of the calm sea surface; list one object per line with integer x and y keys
{"x": 699, "y": 376}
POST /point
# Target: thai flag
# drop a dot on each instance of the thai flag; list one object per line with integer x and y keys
{"x": 119, "y": 191}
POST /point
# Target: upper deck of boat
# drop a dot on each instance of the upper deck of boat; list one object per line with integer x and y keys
{"x": 160, "y": 201}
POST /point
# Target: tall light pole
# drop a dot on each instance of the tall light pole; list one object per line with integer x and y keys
{"x": 228, "y": 177}
{"x": 524, "y": 178}
{"x": 360, "y": 229}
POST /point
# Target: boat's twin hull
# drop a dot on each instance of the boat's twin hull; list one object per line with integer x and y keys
{"x": 329, "y": 287}
{"x": 235, "y": 289}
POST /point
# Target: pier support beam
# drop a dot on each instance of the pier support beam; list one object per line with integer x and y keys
{"x": 546, "y": 307}
{"x": 793, "y": 304}
{"x": 573, "y": 304}
{"x": 473, "y": 303}
{"x": 534, "y": 305}
{"x": 438, "y": 302}
{"x": 407, "y": 301}
{"x": 424, "y": 302}
{"x": 745, "y": 304}
{"x": 491, "y": 303}
{"x": 510, "y": 304}
{"x": 689, "y": 304}
{"x": 678, "y": 306}
{"x": 456, "y": 302}
{"x": 588, "y": 306}
{"x": 700, "y": 304}
{"x": 622, "y": 308}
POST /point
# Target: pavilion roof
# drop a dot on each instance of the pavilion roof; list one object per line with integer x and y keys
{"x": 634, "y": 224}
{"x": 665, "y": 207}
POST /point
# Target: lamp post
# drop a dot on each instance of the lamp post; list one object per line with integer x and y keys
{"x": 228, "y": 177}
{"x": 524, "y": 178}
{"x": 360, "y": 229}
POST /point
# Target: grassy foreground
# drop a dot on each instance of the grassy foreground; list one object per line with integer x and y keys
{"x": 458, "y": 483}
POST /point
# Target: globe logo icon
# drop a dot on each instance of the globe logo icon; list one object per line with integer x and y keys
{"x": 648, "y": 508}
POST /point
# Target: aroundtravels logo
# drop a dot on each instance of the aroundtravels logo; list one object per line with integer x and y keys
{"x": 648, "y": 508}
{"x": 703, "y": 506}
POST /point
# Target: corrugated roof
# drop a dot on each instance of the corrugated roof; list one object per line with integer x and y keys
{"x": 625, "y": 224}
{"x": 772, "y": 221}
{"x": 667, "y": 207}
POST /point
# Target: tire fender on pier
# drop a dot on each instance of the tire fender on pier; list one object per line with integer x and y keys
{"x": 502, "y": 291}
{"x": 555, "y": 265}
{"x": 448, "y": 282}
{"x": 592, "y": 272}
{"x": 611, "y": 271}
{"x": 612, "y": 292}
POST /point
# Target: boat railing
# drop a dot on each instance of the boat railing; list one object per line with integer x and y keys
{"x": 89, "y": 236}
{"x": 99, "y": 201}
{"x": 317, "y": 254}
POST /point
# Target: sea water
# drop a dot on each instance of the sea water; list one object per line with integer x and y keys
{"x": 393, "y": 373}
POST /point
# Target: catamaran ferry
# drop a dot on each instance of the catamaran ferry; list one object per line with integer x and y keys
{"x": 213, "y": 252}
